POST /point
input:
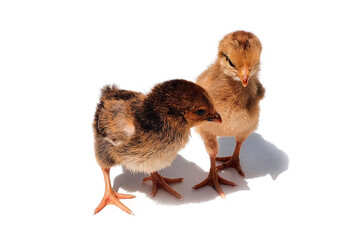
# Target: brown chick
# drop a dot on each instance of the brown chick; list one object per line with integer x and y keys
{"x": 144, "y": 132}
{"x": 233, "y": 84}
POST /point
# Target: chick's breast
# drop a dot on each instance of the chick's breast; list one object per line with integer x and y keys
{"x": 148, "y": 151}
{"x": 234, "y": 123}
{"x": 237, "y": 119}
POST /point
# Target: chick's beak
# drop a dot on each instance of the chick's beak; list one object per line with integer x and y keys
{"x": 244, "y": 75}
{"x": 215, "y": 118}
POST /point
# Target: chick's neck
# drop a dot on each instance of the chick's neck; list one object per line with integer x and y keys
{"x": 220, "y": 85}
{"x": 160, "y": 118}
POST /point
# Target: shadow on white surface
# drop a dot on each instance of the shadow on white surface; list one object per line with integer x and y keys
{"x": 192, "y": 175}
{"x": 258, "y": 158}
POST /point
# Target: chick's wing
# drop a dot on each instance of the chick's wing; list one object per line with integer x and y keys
{"x": 115, "y": 120}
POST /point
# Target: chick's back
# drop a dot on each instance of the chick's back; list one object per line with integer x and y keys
{"x": 114, "y": 121}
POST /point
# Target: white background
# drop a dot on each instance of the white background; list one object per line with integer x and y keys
{"x": 302, "y": 165}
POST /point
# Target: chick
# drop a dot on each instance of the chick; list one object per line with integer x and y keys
{"x": 144, "y": 132}
{"x": 233, "y": 84}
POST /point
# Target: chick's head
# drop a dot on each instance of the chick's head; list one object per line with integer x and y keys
{"x": 239, "y": 55}
{"x": 186, "y": 103}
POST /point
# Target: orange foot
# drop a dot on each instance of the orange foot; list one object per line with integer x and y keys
{"x": 111, "y": 197}
{"x": 231, "y": 161}
{"x": 163, "y": 182}
{"x": 215, "y": 180}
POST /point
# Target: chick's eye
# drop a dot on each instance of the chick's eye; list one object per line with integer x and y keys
{"x": 229, "y": 61}
{"x": 200, "y": 112}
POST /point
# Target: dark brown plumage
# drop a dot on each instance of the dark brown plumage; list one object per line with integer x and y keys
{"x": 144, "y": 132}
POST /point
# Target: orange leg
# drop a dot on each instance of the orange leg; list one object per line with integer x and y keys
{"x": 111, "y": 197}
{"x": 163, "y": 182}
{"x": 232, "y": 161}
{"x": 214, "y": 180}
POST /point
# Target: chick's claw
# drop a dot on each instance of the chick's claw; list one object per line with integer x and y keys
{"x": 214, "y": 180}
{"x": 110, "y": 197}
{"x": 163, "y": 182}
{"x": 231, "y": 161}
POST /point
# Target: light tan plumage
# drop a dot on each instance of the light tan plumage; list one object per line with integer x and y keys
{"x": 233, "y": 84}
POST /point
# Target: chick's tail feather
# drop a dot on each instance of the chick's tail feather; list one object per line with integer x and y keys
{"x": 112, "y": 92}
{"x": 100, "y": 129}
{"x": 113, "y": 116}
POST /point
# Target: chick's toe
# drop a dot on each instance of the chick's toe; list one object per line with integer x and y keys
{"x": 232, "y": 161}
{"x": 163, "y": 182}
{"x": 214, "y": 180}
